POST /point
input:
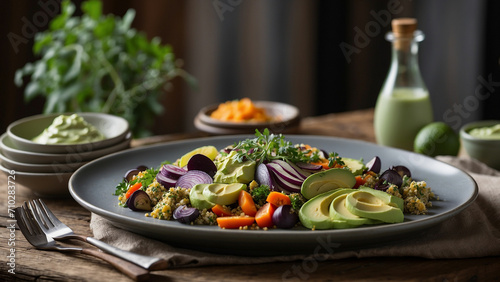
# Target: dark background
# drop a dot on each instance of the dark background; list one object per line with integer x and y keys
{"x": 335, "y": 84}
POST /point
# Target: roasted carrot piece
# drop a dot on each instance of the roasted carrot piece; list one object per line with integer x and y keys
{"x": 233, "y": 222}
{"x": 359, "y": 181}
{"x": 242, "y": 110}
{"x": 278, "y": 199}
{"x": 323, "y": 163}
{"x": 264, "y": 216}
{"x": 220, "y": 210}
{"x": 132, "y": 189}
{"x": 246, "y": 203}
{"x": 362, "y": 180}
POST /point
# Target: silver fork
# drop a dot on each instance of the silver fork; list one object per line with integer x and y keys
{"x": 36, "y": 237}
{"x": 59, "y": 231}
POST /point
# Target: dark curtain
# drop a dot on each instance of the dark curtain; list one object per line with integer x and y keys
{"x": 14, "y": 14}
{"x": 491, "y": 70}
{"x": 290, "y": 51}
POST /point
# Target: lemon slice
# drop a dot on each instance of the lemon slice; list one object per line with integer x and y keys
{"x": 209, "y": 151}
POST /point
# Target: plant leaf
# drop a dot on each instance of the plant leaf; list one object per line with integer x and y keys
{"x": 127, "y": 20}
{"x": 18, "y": 78}
{"x": 50, "y": 103}
{"x": 42, "y": 40}
{"x": 105, "y": 27}
{"x": 67, "y": 10}
{"x": 75, "y": 68}
{"x": 32, "y": 89}
{"x": 92, "y": 8}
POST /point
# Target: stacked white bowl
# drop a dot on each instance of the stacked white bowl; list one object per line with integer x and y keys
{"x": 46, "y": 168}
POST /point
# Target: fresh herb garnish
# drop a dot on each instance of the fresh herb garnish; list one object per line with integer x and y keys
{"x": 266, "y": 147}
{"x": 260, "y": 193}
{"x": 335, "y": 159}
{"x": 148, "y": 177}
{"x": 121, "y": 188}
{"x": 297, "y": 201}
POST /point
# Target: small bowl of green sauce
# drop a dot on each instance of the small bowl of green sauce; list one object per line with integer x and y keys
{"x": 481, "y": 141}
{"x": 66, "y": 133}
{"x": 44, "y": 150}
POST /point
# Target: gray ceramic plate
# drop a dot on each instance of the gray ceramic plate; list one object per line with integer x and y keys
{"x": 93, "y": 186}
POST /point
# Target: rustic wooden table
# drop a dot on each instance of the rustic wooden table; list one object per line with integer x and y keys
{"x": 32, "y": 264}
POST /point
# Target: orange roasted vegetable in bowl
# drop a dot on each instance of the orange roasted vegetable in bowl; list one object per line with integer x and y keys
{"x": 241, "y": 111}
{"x": 244, "y": 116}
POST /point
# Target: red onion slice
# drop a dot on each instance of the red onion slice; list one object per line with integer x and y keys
{"x": 172, "y": 171}
{"x": 129, "y": 175}
{"x": 374, "y": 165}
{"x": 309, "y": 166}
{"x": 282, "y": 173}
{"x": 192, "y": 178}
{"x": 284, "y": 185}
{"x": 402, "y": 170}
{"x": 291, "y": 169}
{"x": 203, "y": 163}
{"x": 185, "y": 215}
{"x": 284, "y": 217}
{"x": 391, "y": 176}
{"x": 165, "y": 181}
{"x": 263, "y": 176}
{"x": 139, "y": 201}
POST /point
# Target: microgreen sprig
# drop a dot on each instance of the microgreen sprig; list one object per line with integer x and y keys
{"x": 147, "y": 178}
{"x": 266, "y": 147}
{"x": 335, "y": 159}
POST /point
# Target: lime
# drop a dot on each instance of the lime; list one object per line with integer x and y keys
{"x": 435, "y": 139}
{"x": 209, "y": 151}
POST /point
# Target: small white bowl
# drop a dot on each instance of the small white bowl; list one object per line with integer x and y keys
{"x": 81, "y": 153}
{"x": 42, "y": 184}
{"x": 22, "y": 131}
{"x": 484, "y": 150}
{"x": 53, "y": 167}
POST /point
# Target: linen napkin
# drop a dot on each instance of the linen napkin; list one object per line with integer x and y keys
{"x": 475, "y": 232}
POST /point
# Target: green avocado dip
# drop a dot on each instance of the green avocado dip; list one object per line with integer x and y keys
{"x": 230, "y": 170}
{"x": 491, "y": 132}
{"x": 72, "y": 129}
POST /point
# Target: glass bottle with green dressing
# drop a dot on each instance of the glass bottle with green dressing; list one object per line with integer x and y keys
{"x": 403, "y": 106}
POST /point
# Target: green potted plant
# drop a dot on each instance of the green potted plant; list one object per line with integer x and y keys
{"x": 98, "y": 63}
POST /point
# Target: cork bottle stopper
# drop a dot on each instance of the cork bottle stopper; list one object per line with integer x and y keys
{"x": 404, "y": 26}
{"x": 403, "y": 29}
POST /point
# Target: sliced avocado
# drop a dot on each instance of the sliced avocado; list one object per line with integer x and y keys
{"x": 339, "y": 211}
{"x": 365, "y": 204}
{"x": 223, "y": 194}
{"x": 197, "y": 199}
{"x": 327, "y": 180}
{"x": 314, "y": 214}
{"x": 387, "y": 198}
{"x": 356, "y": 166}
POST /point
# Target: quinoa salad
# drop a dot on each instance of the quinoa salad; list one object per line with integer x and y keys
{"x": 267, "y": 182}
